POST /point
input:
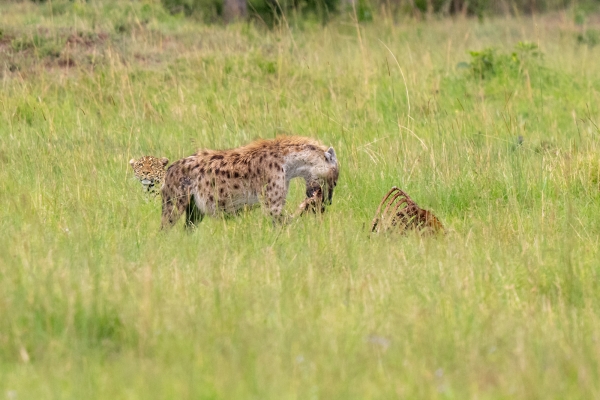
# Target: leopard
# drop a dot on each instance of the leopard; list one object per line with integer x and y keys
{"x": 150, "y": 171}
{"x": 224, "y": 182}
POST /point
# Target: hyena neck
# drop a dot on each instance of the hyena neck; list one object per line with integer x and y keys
{"x": 295, "y": 166}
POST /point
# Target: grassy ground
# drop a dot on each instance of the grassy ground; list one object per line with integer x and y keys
{"x": 502, "y": 145}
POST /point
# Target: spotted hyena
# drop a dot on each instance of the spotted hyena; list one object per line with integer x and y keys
{"x": 225, "y": 181}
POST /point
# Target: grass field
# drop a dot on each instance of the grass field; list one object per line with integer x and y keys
{"x": 502, "y": 145}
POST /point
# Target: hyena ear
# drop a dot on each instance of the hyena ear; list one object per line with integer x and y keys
{"x": 330, "y": 155}
{"x": 132, "y": 162}
{"x": 164, "y": 161}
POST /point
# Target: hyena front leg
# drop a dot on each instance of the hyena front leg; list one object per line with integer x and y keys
{"x": 174, "y": 204}
{"x": 275, "y": 193}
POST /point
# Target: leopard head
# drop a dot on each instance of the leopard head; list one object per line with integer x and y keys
{"x": 150, "y": 171}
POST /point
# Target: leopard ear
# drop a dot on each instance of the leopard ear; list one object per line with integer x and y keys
{"x": 164, "y": 161}
{"x": 132, "y": 162}
{"x": 330, "y": 155}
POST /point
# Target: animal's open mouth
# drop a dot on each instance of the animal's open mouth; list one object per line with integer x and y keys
{"x": 148, "y": 184}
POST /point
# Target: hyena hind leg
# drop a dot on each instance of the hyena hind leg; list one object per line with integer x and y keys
{"x": 193, "y": 216}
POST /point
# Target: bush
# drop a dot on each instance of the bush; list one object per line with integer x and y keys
{"x": 268, "y": 11}
{"x": 591, "y": 37}
{"x": 206, "y": 10}
{"x": 271, "y": 11}
{"x": 488, "y": 62}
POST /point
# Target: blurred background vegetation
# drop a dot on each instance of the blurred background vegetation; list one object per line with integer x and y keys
{"x": 271, "y": 12}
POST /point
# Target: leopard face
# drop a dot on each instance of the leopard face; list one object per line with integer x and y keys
{"x": 150, "y": 171}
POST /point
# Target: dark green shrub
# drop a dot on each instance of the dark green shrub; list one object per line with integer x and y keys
{"x": 488, "y": 62}
{"x": 271, "y": 11}
{"x": 364, "y": 13}
{"x": 483, "y": 63}
{"x": 268, "y": 11}
{"x": 591, "y": 37}
{"x": 206, "y": 10}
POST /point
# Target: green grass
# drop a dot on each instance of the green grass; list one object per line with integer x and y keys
{"x": 95, "y": 302}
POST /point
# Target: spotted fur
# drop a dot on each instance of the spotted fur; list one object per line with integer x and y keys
{"x": 150, "y": 171}
{"x": 215, "y": 181}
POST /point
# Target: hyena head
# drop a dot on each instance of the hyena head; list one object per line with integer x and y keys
{"x": 324, "y": 172}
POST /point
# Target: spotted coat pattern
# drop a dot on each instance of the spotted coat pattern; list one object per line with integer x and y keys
{"x": 150, "y": 171}
{"x": 216, "y": 181}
